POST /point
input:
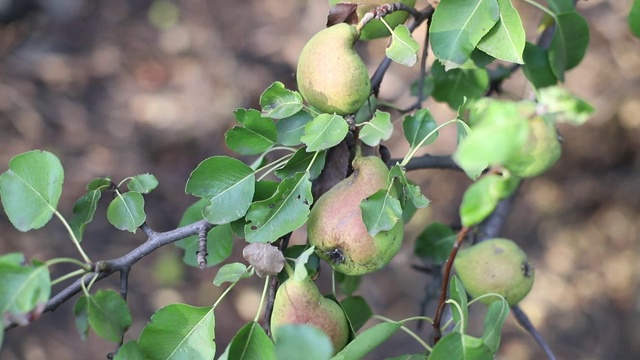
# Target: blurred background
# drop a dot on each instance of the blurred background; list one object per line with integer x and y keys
{"x": 117, "y": 88}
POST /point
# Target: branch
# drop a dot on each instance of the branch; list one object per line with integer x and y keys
{"x": 524, "y": 321}
{"x": 104, "y": 268}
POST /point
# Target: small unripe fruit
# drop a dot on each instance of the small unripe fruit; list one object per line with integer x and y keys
{"x": 495, "y": 266}
{"x": 540, "y": 152}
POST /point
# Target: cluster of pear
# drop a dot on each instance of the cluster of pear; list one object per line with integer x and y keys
{"x": 495, "y": 266}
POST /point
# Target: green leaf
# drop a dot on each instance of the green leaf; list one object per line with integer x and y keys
{"x": 348, "y": 283}
{"x": 418, "y": 126}
{"x": 227, "y": 183}
{"x": 403, "y": 48}
{"x": 300, "y": 270}
{"x": 24, "y": 289}
{"x": 285, "y": 211}
{"x": 109, "y": 315}
{"x": 564, "y": 106}
{"x": 482, "y": 197}
{"x": 219, "y": 239}
{"x": 129, "y": 351}
{"x": 427, "y": 87}
{"x": 457, "y": 28}
{"x": 83, "y": 212}
{"x": 380, "y": 211}
{"x": 367, "y": 341}
{"x": 456, "y": 346}
{"x": 142, "y": 183}
{"x": 99, "y": 184}
{"x": 251, "y": 343}
{"x": 569, "y": 43}
{"x": 126, "y": 211}
{"x": 460, "y": 313}
{"x": 537, "y": 67}
{"x": 81, "y": 312}
{"x": 505, "y": 41}
{"x": 561, "y": 6}
{"x": 324, "y": 131}
{"x": 357, "y": 310}
{"x": 377, "y": 129}
{"x": 31, "y": 188}
{"x": 296, "y": 339}
{"x": 290, "y": 129}
{"x": 494, "y": 319}
{"x": 409, "y": 357}
{"x": 634, "y": 18}
{"x": 179, "y": 331}
{"x": 277, "y": 102}
{"x": 256, "y": 135}
{"x": 455, "y": 85}
{"x": 407, "y": 190}
{"x": 231, "y": 273}
{"x": 300, "y": 161}
{"x": 435, "y": 242}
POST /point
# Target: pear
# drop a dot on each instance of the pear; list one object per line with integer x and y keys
{"x": 540, "y": 152}
{"x": 375, "y": 28}
{"x": 331, "y": 76}
{"x": 335, "y": 224}
{"x": 495, "y": 266}
{"x": 300, "y": 302}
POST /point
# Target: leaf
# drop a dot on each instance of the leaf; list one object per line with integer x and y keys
{"x": 460, "y": 313}
{"x": 377, "y": 129}
{"x": 81, "y": 312}
{"x": 31, "y": 188}
{"x": 296, "y": 339}
{"x": 455, "y": 85}
{"x": 300, "y": 270}
{"x": 403, "y": 48}
{"x": 142, "y": 183}
{"x": 129, "y": 351}
{"x": 458, "y": 26}
{"x": 179, "y": 331}
{"x": 291, "y": 128}
{"x": 435, "y": 242}
{"x": 99, "y": 184}
{"x": 418, "y": 126}
{"x": 324, "y": 131}
{"x": 367, "y": 341}
{"x": 230, "y": 273}
{"x": 407, "y": 189}
{"x": 456, "y": 346}
{"x": 109, "y": 315}
{"x": 126, "y": 211}
{"x": 24, "y": 289}
{"x": 634, "y": 18}
{"x": 227, "y": 183}
{"x": 348, "y": 283}
{"x": 563, "y": 106}
{"x": 537, "y": 67}
{"x": 427, "y": 87}
{"x": 482, "y": 197}
{"x": 493, "y": 320}
{"x": 219, "y": 239}
{"x": 357, "y": 310}
{"x": 256, "y": 135}
{"x": 285, "y": 211}
{"x": 505, "y": 41}
{"x": 380, "y": 211}
{"x": 300, "y": 161}
{"x": 277, "y": 102}
{"x": 569, "y": 43}
{"x": 251, "y": 343}
{"x": 83, "y": 212}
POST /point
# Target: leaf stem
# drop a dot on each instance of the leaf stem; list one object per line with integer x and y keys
{"x": 414, "y": 149}
{"x": 68, "y": 276}
{"x": 274, "y": 165}
{"x": 62, "y": 260}
{"x": 544, "y": 9}
{"x": 75, "y": 241}
{"x": 406, "y": 330}
{"x": 262, "y": 298}
{"x": 226, "y": 291}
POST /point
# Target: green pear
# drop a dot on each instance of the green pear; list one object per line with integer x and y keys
{"x": 335, "y": 223}
{"x": 331, "y": 76}
{"x": 540, "y": 152}
{"x": 375, "y": 28}
{"x": 495, "y": 266}
{"x": 300, "y": 302}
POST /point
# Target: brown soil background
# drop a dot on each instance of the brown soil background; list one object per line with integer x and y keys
{"x": 112, "y": 95}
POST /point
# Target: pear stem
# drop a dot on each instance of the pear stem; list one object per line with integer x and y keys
{"x": 262, "y": 298}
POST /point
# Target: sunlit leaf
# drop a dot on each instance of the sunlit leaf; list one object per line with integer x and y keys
{"x": 506, "y": 39}
{"x": 377, "y": 129}
{"x": 324, "y": 131}
{"x": 230, "y": 273}
{"x": 142, "y": 183}
{"x": 278, "y": 102}
{"x": 126, "y": 211}
{"x": 403, "y": 48}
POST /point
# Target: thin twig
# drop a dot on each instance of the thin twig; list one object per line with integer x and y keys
{"x": 524, "y": 321}
{"x": 201, "y": 254}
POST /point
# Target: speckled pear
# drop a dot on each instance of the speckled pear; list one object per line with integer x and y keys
{"x": 495, "y": 266}
{"x": 335, "y": 223}
{"x": 300, "y": 302}
{"x": 331, "y": 76}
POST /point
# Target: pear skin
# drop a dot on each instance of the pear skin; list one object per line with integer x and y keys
{"x": 300, "y": 302}
{"x": 495, "y": 266}
{"x": 331, "y": 76}
{"x": 335, "y": 223}
{"x": 541, "y": 151}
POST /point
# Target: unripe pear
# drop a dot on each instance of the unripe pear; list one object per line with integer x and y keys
{"x": 495, "y": 266}
{"x": 540, "y": 152}
{"x": 331, "y": 76}
{"x": 335, "y": 223}
{"x": 300, "y": 302}
{"x": 375, "y": 28}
